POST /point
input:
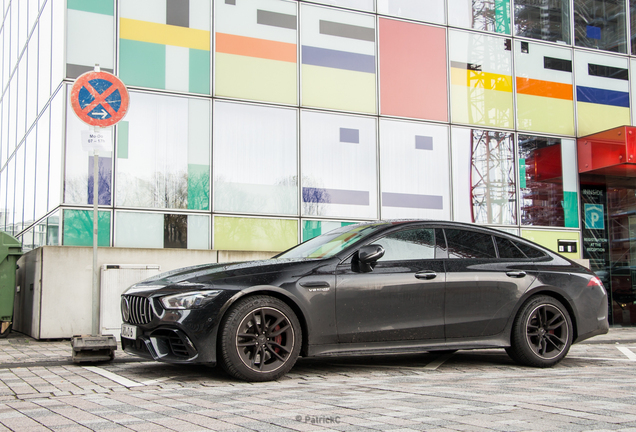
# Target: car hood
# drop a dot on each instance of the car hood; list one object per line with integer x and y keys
{"x": 209, "y": 275}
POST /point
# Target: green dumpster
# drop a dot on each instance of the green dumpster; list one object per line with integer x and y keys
{"x": 10, "y": 252}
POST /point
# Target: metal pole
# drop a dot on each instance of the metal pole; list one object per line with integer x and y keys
{"x": 95, "y": 327}
{"x": 95, "y": 330}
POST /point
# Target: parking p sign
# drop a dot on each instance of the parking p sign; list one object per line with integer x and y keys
{"x": 594, "y": 216}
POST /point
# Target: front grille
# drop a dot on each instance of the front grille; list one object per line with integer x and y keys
{"x": 140, "y": 310}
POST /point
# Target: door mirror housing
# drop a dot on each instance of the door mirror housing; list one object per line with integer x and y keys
{"x": 365, "y": 259}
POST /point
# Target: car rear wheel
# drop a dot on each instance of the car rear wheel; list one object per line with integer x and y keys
{"x": 260, "y": 339}
{"x": 542, "y": 333}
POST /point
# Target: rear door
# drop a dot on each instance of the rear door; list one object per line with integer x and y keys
{"x": 481, "y": 287}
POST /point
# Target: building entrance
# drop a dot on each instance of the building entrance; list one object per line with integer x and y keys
{"x": 609, "y": 240}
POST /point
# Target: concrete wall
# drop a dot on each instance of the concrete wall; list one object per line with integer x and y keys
{"x": 54, "y": 298}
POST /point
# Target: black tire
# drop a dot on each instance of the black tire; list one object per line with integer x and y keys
{"x": 541, "y": 334}
{"x": 251, "y": 351}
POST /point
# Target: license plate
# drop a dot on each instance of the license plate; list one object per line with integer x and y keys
{"x": 129, "y": 331}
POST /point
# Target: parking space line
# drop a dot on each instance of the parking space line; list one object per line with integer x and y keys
{"x": 438, "y": 361}
{"x": 628, "y": 353}
{"x": 113, "y": 377}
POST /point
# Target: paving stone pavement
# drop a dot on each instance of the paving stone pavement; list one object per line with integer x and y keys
{"x": 593, "y": 389}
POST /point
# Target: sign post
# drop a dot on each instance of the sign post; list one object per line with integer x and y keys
{"x": 100, "y": 100}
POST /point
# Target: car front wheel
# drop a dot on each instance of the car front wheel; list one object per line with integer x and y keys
{"x": 260, "y": 339}
{"x": 542, "y": 333}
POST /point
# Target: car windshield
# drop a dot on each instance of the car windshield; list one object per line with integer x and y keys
{"x": 329, "y": 244}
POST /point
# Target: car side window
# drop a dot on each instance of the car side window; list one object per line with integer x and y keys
{"x": 410, "y": 244}
{"x": 469, "y": 244}
{"x": 507, "y": 249}
{"x": 530, "y": 251}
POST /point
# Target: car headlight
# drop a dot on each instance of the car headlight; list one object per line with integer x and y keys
{"x": 189, "y": 300}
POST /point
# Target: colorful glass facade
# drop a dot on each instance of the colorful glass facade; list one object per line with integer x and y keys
{"x": 256, "y": 124}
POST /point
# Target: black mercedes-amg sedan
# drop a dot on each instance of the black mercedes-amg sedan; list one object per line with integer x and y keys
{"x": 382, "y": 287}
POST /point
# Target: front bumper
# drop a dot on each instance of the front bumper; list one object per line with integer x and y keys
{"x": 176, "y": 336}
{"x": 169, "y": 345}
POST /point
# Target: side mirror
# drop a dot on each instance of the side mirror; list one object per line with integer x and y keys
{"x": 367, "y": 256}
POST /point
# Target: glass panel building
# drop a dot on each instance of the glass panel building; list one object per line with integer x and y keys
{"x": 256, "y": 124}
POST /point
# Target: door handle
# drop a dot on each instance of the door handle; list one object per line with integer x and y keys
{"x": 426, "y": 274}
{"x": 315, "y": 284}
{"x": 516, "y": 274}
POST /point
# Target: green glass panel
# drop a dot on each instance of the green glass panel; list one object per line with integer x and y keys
{"x": 198, "y": 187}
{"x": 142, "y": 63}
{"x": 199, "y": 71}
{"x": 254, "y": 234}
{"x": 122, "y": 139}
{"x": 311, "y": 229}
{"x": 522, "y": 173}
{"x": 104, "y": 7}
{"x": 502, "y": 16}
{"x": 78, "y": 228}
{"x": 570, "y": 209}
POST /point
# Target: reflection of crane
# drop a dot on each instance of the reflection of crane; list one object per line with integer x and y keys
{"x": 492, "y": 177}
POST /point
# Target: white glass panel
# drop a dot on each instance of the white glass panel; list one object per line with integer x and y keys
{"x": 22, "y": 98}
{"x": 481, "y": 79}
{"x": 23, "y": 26}
{"x": 198, "y": 232}
{"x": 10, "y": 194}
{"x": 602, "y": 92}
{"x": 44, "y": 53}
{"x": 57, "y": 137}
{"x": 414, "y": 173}
{"x": 82, "y": 53}
{"x": 483, "y": 176}
{"x": 13, "y": 22}
{"x": 139, "y": 230}
{"x": 429, "y": 10}
{"x": 345, "y": 183}
{"x": 13, "y": 113}
{"x": 3, "y": 198}
{"x": 42, "y": 166}
{"x": 57, "y": 41}
{"x": 29, "y": 179}
{"x": 32, "y": 79}
{"x": 366, "y": 5}
{"x": 78, "y": 183}
{"x": 19, "y": 190}
{"x": 255, "y": 159}
{"x": 163, "y": 156}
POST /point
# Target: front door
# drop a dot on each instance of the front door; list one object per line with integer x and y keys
{"x": 401, "y": 299}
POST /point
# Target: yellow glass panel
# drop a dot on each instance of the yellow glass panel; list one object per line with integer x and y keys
{"x": 549, "y": 239}
{"x": 251, "y": 234}
{"x": 338, "y": 89}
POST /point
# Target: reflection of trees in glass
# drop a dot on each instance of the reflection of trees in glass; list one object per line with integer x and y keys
{"x": 547, "y": 20}
{"x": 175, "y": 231}
{"x": 78, "y": 188}
{"x": 482, "y": 109}
{"x": 278, "y": 198}
{"x": 542, "y": 195}
{"x": 316, "y": 198}
{"x": 600, "y": 24}
{"x": 161, "y": 190}
{"x": 492, "y": 177}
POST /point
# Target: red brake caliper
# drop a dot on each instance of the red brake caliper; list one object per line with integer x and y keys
{"x": 278, "y": 339}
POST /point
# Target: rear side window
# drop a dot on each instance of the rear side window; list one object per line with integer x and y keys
{"x": 531, "y": 252}
{"x": 469, "y": 244}
{"x": 507, "y": 248}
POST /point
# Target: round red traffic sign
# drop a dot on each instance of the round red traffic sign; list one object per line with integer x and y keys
{"x": 99, "y": 98}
